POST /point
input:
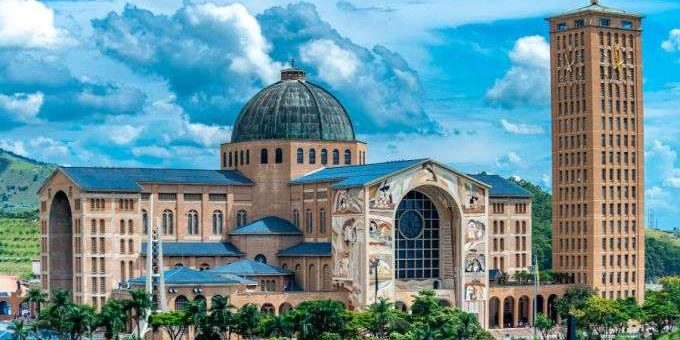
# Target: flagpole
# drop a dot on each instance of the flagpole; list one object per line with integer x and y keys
{"x": 536, "y": 286}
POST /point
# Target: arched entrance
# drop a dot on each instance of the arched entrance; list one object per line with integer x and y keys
{"x": 61, "y": 243}
{"x": 494, "y": 305}
{"x": 4, "y": 308}
{"x": 552, "y": 308}
{"x": 540, "y": 301}
{"x": 524, "y": 310}
{"x": 268, "y": 309}
{"x": 285, "y": 308}
{"x": 427, "y": 222}
{"x": 508, "y": 312}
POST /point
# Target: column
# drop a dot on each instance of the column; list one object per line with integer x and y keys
{"x": 531, "y": 310}
{"x": 501, "y": 305}
{"x": 515, "y": 313}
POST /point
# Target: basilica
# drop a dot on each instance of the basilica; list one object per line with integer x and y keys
{"x": 294, "y": 213}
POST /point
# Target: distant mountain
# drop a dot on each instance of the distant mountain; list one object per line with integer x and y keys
{"x": 20, "y": 178}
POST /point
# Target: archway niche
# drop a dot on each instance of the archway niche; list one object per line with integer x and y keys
{"x": 285, "y": 308}
{"x": 508, "y": 312}
{"x": 552, "y": 308}
{"x": 540, "y": 301}
{"x": 494, "y": 305}
{"x": 61, "y": 243}
{"x": 524, "y": 310}
{"x": 426, "y": 246}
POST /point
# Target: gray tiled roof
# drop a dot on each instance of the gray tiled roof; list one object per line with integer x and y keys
{"x": 598, "y": 9}
{"x": 248, "y": 267}
{"x": 129, "y": 179}
{"x": 197, "y": 249}
{"x": 270, "y": 225}
{"x": 355, "y": 175}
{"x": 293, "y": 109}
{"x": 307, "y": 249}
{"x": 187, "y": 276}
{"x": 501, "y": 187}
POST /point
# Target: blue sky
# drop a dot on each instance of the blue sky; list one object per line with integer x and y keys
{"x": 159, "y": 83}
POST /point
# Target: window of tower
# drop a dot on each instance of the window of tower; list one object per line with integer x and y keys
{"x": 562, "y": 26}
{"x": 278, "y": 156}
{"x": 300, "y": 156}
{"x": 604, "y": 22}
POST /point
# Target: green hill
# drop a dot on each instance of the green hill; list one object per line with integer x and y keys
{"x": 20, "y": 178}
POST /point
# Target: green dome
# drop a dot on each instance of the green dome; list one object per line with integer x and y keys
{"x": 293, "y": 108}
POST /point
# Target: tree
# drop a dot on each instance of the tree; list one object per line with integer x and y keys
{"x": 248, "y": 320}
{"x": 173, "y": 322}
{"x": 544, "y": 325}
{"x": 222, "y": 316}
{"x": 382, "y": 318}
{"x": 57, "y": 311}
{"x": 197, "y": 315}
{"x": 277, "y": 326}
{"x": 574, "y": 300}
{"x": 81, "y": 320}
{"x": 601, "y": 315}
{"x": 658, "y": 311}
{"x": 425, "y": 304}
{"x": 113, "y": 318}
{"x": 20, "y": 329}
{"x": 324, "y": 316}
{"x": 36, "y": 297}
{"x": 140, "y": 302}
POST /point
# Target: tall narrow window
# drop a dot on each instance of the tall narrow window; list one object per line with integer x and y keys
{"x": 324, "y": 156}
{"x": 248, "y": 157}
{"x": 264, "y": 156}
{"x": 242, "y": 158}
{"x": 230, "y": 159}
{"x": 192, "y": 222}
{"x": 241, "y": 218}
{"x": 308, "y": 221}
{"x": 167, "y": 222}
{"x": 279, "y": 156}
{"x": 322, "y": 220}
{"x": 296, "y": 218}
{"x": 145, "y": 221}
{"x": 348, "y": 156}
{"x": 300, "y": 156}
{"x": 312, "y": 156}
{"x": 336, "y": 157}
{"x": 218, "y": 218}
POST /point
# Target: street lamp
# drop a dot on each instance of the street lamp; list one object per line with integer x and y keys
{"x": 373, "y": 266}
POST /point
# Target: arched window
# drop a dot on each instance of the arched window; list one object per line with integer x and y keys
{"x": 180, "y": 302}
{"x": 192, "y": 222}
{"x": 131, "y": 246}
{"x": 312, "y": 278}
{"x": 248, "y": 157}
{"x": 336, "y": 157}
{"x": 312, "y": 156}
{"x": 168, "y": 222}
{"x": 236, "y": 159}
{"x": 241, "y": 218}
{"x": 326, "y": 277}
{"x": 131, "y": 267}
{"x": 296, "y": 218}
{"x": 122, "y": 226}
{"x": 324, "y": 156}
{"x": 264, "y": 156}
{"x": 261, "y": 258}
{"x": 230, "y": 159}
{"x": 224, "y": 159}
{"x": 300, "y": 156}
{"x": 322, "y": 220}
{"x": 308, "y": 221}
{"x": 131, "y": 227}
{"x": 242, "y": 158}
{"x": 218, "y": 218}
{"x": 348, "y": 156}
{"x": 145, "y": 221}
{"x": 203, "y": 267}
{"x": 279, "y": 156}
{"x": 122, "y": 271}
{"x": 417, "y": 238}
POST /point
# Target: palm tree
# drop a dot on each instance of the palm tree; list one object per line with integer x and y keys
{"x": 222, "y": 316}
{"x": 20, "y": 329}
{"x": 382, "y": 317}
{"x": 248, "y": 319}
{"x": 57, "y": 312}
{"x": 82, "y": 320}
{"x": 141, "y": 302}
{"x": 113, "y": 318}
{"x": 36, "y": 297}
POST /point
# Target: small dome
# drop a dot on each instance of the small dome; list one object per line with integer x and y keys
{"x": 293, "y": 108}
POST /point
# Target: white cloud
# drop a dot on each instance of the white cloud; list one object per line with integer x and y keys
{"x": 29, "y": 24}
{"x": 124, "y": 134}
{"x": 151, "y": 151}
{"x": 335, "y": 64}
{"x": 664, "y": 159}
{"x": 521, "y": 129}
{"x": 16, "y": 147}
{"x": 253, "y": 47}
{"x": 672, "y": 44}
{"x": 509, "y": 159}
{"x": 49, "y": 146}
{"x": 207, "y": 135}
{"x": 22, "y": 107}
{"x": 528, "y": 79}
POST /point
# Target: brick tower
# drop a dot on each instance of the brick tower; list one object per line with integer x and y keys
{"x": 597, "y": 149}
